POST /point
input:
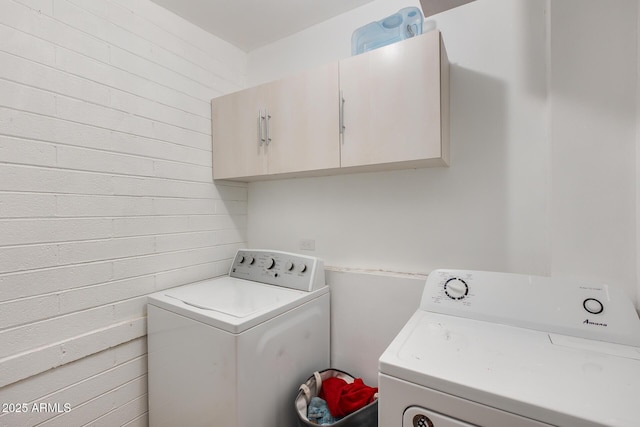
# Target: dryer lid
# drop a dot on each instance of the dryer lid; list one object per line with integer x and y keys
{"x": 571, "y": 382}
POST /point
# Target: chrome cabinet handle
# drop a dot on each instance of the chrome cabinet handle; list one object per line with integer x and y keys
{"x": 341, "y": 124}
{"x": 267, "y": 117}
{"x": 260, "y": 133}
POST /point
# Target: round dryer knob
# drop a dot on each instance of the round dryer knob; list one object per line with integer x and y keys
{"x": 302, "y": 268}
{"x": 271, "y": 263}
{"x": 593, "y": 306}
{"x": 241, "y": 259}
{"x": 250, "y": 260}
{"x": 288, "y": 266}
{"x": 456, "y": 288}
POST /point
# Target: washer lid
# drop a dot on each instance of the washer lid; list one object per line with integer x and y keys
{"x": 233, "y": 297}
{"x": 234, "y": 305}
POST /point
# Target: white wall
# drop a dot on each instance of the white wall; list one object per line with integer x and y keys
{"x": 593, "y": 137}
{"x": 362, "y": 327}
{"x": 316, "y": 45}
{"x": 542, "y": 177}
{"x": 106, "y": 195}
{"x": 638, "y": 162}
{"x": 489, "y": 210}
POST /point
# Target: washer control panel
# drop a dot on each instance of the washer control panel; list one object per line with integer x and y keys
{"x": 599, "y": 312}
{"x": 278, "y": 268}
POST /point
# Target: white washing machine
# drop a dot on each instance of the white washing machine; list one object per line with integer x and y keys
{"x": 506, "y": 350}
{"x": 232, "y": 351}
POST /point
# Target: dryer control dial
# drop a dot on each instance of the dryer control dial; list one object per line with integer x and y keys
{"x": 593, "y": 306}
{"x": 456, "y": 288}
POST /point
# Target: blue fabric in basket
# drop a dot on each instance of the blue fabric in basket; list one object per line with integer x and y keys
{"x": 318, "y": 412}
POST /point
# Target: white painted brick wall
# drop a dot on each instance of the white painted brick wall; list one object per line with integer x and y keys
{"x": 105, "y": 196}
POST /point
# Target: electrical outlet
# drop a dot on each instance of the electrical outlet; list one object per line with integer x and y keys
{"x": 308, "y": 244}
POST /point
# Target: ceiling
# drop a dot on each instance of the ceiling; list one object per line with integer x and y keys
{"x": 250, "y": 24}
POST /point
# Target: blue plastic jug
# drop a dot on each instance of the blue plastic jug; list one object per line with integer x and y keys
{"x": 406, "y": 23}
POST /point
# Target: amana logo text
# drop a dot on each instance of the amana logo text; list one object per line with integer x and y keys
{"x": 588, "y": 322}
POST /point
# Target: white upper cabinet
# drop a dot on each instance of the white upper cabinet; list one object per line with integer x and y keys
{"x": 238, "y": 133}
{"x": 281, "y": 127}
{"x": 383, "y": 109}
{"x": 303, "y": 127}
{"x": 395, "y": 107}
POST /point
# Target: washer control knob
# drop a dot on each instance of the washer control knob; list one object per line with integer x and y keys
{"x": 456, "y": 288}
{"x": 241, "y": 259}
{"x": 302, "y": 268}
{"x": 270, "y": 263}
{"x": 593, "y": 306}
{"x": 288, "y": 266}
{"x": 250, "y": 260}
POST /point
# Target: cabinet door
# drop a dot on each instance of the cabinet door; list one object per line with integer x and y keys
{"x": 304, "y": 122}
{"x": 392, "y": 103}
{"x": 236, "y": 128}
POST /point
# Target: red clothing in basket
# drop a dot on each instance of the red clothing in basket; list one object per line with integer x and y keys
{"x": 344, "y": 398}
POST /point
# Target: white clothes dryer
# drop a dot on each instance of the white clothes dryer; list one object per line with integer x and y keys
{"x": 506, "y": 350}
{"x": 232, "y": 351}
